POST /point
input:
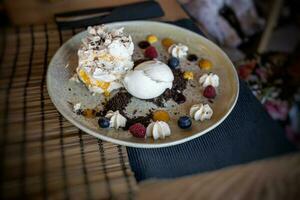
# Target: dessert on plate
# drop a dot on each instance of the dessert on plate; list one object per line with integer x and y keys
{"x": 104, "y": 58}
{"x": 143, "y": 82}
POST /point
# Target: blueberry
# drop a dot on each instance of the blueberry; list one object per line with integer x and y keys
{"x": 103, "y": 122}
{"x": 173, "y": 62}
{"x": 184, "y": 122}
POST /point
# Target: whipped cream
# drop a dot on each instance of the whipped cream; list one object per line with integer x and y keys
{"x": 178, "y": 50}
{"x": 104, "y": 57}
{"x": 158, "y": 129}
{"x": 201, "y": 112}
{"x": 116, "y": 119}
{"x": 149, "y": 79}
{"x": 209, "y": 79}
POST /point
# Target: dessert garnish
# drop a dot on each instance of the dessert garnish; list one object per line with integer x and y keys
{"x": 145, "y": 120}
{"x": 77, "y": 108}
{"x": 160, "y": 115}
{"x": 173, "y": 62}
{"x": 143, "y": 44}
{"x": 152, "y": 39}
{"x": 118, "y": 102}
{"x": 104, "y": 122}
{"x": 179, "y": 85}
{"x": 189, "y": 75}
{"x": 209, "y": 92}
{"x": 138, "y": 130}
{"x": 209, "y": 79}
{"x": 178, "y": 50}
{"x": 179, "y": 82}
{"x": 116, "y": 119}
{"x": 205, "y": 64}
{"x": 89, "y": 113}
{"x": 179, "y": 98}
{"x": 151, "y": 52}
{"x": 167, "y": 42}
{"x": 149, "y": 79}
{"x": 158, "y": 129}
{"x": 104, "y": 57}
{"x": 106, "y": 64}
{"x": 201, "y": 112}
{"x": 192, "y": 57}
{"x": 184, "y": 122}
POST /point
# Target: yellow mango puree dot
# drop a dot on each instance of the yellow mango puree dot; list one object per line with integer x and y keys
{"x": 161, "y": 115}
{"x": 205, "y": 64}
{"x": 167, "y": 42}
{"x": 152, "y": 39}
{"x": 89, "y": 113}
{"x": 188, "y": 75}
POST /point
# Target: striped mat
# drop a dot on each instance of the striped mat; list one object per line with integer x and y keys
{"x": 42, "y": 154}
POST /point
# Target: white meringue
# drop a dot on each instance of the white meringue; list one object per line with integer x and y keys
{"x": 158, "y": 129}
{"x": 178, "y": 50}
{"x": 116, "y": 119}
{"x": 201, "y": 112}
{"x": 104, "y": 58}
{"x": 209, "y": 79}
{"x": 149, "y": 79}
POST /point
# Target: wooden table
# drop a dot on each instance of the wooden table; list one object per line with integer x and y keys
{"x": 270, "y": 179}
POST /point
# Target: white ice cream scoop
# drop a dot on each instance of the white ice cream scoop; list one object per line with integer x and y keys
{"x": 149, "y": 79}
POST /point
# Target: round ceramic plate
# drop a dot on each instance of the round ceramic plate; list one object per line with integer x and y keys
{"x": 64, "y": 92}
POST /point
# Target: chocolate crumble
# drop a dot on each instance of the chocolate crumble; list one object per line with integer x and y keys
{"x": 179, "y": 84}
{"x": 118, "y": 102}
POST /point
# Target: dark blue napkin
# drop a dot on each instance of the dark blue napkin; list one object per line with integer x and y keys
{"x": 96, "y": 16}
{"x": 247, "y": 134}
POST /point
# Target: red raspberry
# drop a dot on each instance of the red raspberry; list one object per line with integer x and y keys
{"x": 209, "y": 92}
{"x": 151, "y": 52}
{"x": 138, "y": 130}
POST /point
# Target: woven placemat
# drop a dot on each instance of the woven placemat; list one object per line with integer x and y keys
{"x": 42, "y": 154}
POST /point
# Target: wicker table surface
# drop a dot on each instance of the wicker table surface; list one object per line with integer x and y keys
{"x": 42, "y": 154}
